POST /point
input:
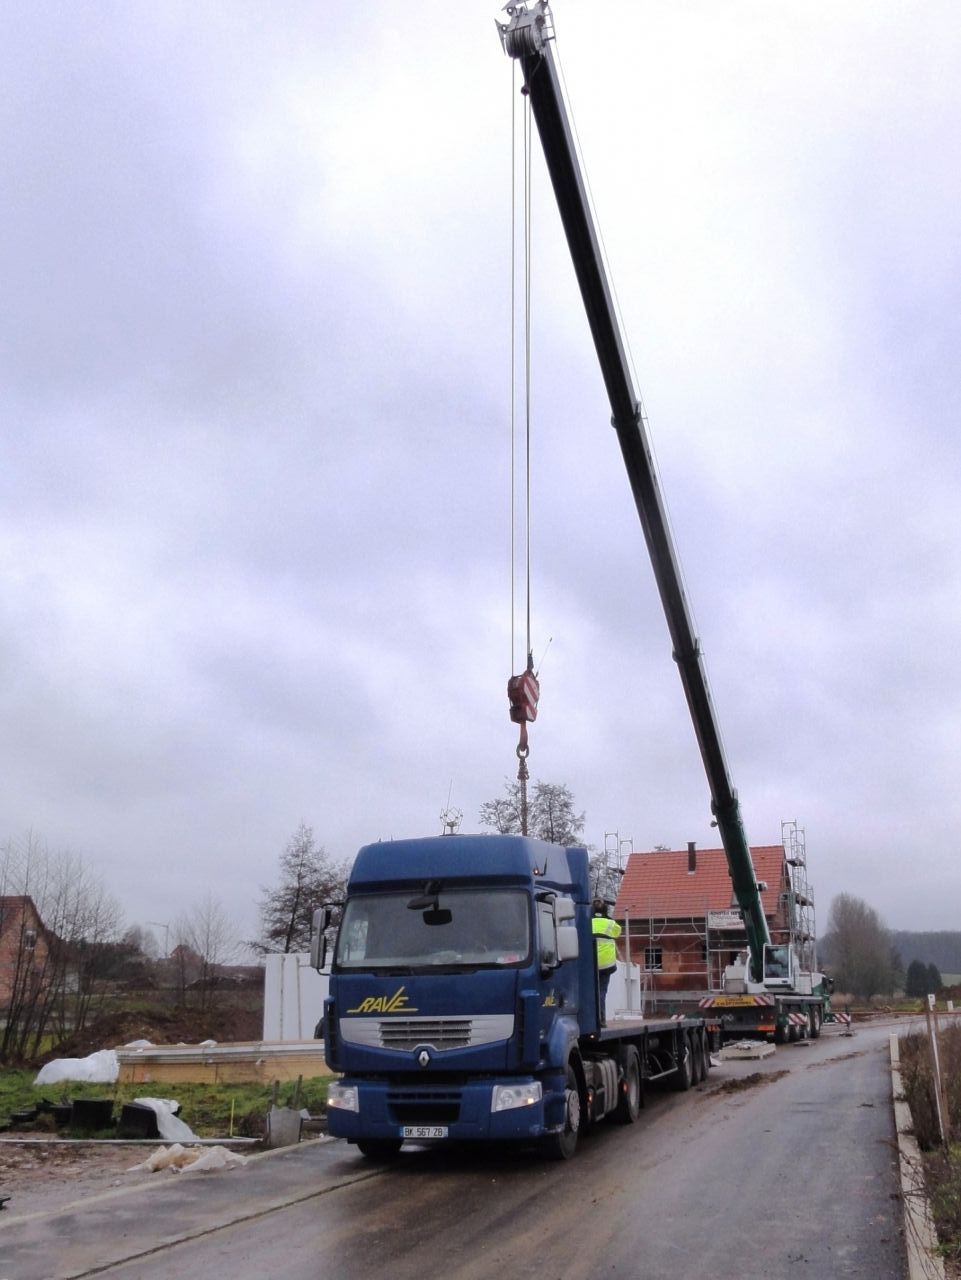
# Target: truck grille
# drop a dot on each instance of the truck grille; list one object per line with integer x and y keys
{"x": 440, "y": 1033}
{"x": 436, "y": 1033}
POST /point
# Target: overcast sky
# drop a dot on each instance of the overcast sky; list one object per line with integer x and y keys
{"x": 254, "y": 529}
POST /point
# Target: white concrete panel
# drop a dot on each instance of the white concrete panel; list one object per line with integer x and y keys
{"x": 294, "y": 995}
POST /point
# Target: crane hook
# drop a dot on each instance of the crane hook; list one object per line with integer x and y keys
{"x": 523, "y": 692}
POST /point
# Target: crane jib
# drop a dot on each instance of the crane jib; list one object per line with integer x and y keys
{"x": 528, "y": 37}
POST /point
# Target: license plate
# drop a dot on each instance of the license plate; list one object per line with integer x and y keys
{"x": 424, "y": 1131}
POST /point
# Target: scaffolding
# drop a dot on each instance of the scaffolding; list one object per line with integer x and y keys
{"x": 699, "y": 946}
{"x": 609, "y": 868}
{"x": 800, "y": 896}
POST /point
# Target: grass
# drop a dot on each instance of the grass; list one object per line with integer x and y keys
{"x": 206, "y": 1108}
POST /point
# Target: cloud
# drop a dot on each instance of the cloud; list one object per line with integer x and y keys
{"x": 254, "y": 531}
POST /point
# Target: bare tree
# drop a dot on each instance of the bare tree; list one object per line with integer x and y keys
{"x": 59, "y": 918}
{"x": 605, "y": 879}
{"x": 858, "y": 948}
{"x": 205, "y": 941}
{"x": 550, "y": 813}
{"x": 308, "y": 878}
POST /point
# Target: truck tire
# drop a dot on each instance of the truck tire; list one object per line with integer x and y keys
{"x": 379, "y": 1149}
{"x": 629, "y": 1101}
{"x": 814, "y": 1014}
{"x": 683, "y": 1077}
{"x": 562, "y": 1145}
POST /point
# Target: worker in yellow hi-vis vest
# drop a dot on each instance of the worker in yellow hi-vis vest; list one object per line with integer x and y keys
{"x": 605, "y": 932}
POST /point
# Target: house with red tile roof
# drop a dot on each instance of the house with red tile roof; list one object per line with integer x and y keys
{"x": 680, "y": 918}
{"x": 24, "y": 947}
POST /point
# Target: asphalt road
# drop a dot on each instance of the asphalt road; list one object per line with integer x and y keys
{"x": 792, "y": 1175}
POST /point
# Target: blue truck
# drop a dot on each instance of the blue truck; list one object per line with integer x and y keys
{"x": 464, "y": 1004}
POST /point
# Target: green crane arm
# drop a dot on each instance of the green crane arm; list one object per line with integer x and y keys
{"x": 528, "y": 36}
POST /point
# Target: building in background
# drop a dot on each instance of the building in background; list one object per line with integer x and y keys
{"x": 681, "y": 921}
{"x": 24, "y": 949}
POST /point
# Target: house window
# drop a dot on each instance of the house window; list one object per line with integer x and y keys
{"x": 653, "y": 959}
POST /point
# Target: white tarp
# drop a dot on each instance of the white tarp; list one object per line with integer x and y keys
{"x": 169, "y": 1126}
{"x": 98, "y": 1068}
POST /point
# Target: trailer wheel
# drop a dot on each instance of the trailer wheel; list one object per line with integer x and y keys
{"x": 697, "y": 1057}
{"x": 379, "y": 1149}
{"x": 815, "y": 1019}
{"x": 629, "y": 1100}
{"x": 702, "y": 1056}
{"x": 705, "y": 1055}
{"x": 684, "y": 1075}
{"x": 562, "y": 1145}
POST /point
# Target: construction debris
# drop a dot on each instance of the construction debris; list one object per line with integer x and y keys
{"x": 747, "y": 1049}
{"x": 181, "y": 1159}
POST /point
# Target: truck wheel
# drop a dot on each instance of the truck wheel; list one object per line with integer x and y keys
{"x": 815, "y": 1017}
{"x": 780, "y": 1034}
{"x": 561, "y": 1146}
{"x": 683, "y": 1077}
{"x": 629, "y": 1100}
{"x": 379, "y": 1149}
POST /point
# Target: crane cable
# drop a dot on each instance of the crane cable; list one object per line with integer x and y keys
{"x": 523, "y": 690}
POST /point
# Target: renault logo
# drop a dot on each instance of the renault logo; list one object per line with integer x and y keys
{"x": 423, "y": 1058}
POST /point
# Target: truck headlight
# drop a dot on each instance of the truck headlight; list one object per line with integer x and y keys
{"x": 343, "y": 1096}
{"x": 506, "y": 1097}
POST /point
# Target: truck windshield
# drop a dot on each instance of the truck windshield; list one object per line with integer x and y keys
{"x": 470, "y": 927}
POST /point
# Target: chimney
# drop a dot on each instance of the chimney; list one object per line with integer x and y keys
{"x": 691, "y": 857}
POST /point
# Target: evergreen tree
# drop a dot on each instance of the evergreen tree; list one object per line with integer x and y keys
{"x": 916, "y": 983}
{"x": 934, "y": 979}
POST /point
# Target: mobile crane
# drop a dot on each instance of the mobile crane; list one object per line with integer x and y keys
{"x": 770, "y": 986}
{"x": 464, "y": 1002}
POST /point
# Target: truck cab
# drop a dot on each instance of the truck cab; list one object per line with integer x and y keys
{"x": 463, "y": 974}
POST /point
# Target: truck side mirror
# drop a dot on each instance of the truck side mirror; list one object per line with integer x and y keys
{"x": 318, "y": 937}
{"x": 564, "y": 910}
{"x": 568, "y": 947}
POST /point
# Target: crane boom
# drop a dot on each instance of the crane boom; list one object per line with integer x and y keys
{"x": 527, "y": 37}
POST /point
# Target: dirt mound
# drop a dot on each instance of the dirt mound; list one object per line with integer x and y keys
{"x": 161, "y": 1026}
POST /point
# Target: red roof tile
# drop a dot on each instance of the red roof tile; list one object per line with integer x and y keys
{"x": 659, "y": 884}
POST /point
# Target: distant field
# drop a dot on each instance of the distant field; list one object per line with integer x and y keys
{"x": 951, "y": 979}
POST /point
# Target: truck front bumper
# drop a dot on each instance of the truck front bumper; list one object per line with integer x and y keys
{"x": 455, "y": 1113}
